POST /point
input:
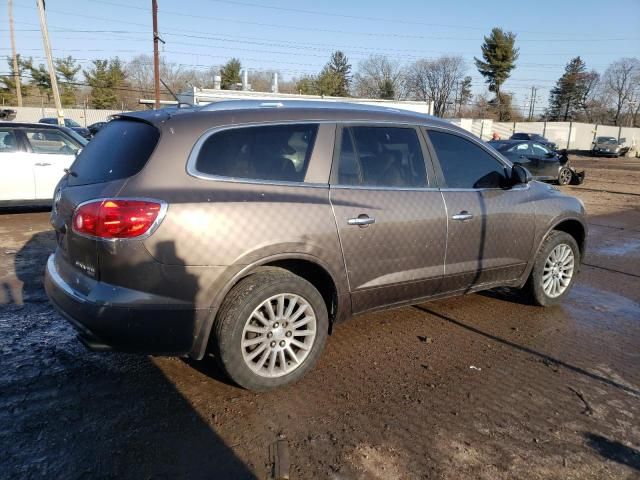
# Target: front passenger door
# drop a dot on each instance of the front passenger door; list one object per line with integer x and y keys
{"x": 16, "y": 167}
{"x": 490, "y": 225}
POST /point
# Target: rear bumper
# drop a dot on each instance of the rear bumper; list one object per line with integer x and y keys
{"x": 108, "y": 317}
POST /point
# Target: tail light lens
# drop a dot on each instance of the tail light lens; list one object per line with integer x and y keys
{"x": 116, "y": 218}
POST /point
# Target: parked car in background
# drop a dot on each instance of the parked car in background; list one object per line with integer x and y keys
{"x": 534, "y": 137}
{"x": 608, "y": 147}
{"x": 543, "y": 163}
{"x": 96, "y": 127}
{"x": 7, "y": 114}
{"x": 33, "y": 158}
{"x": 250, "y": 228}
{"x": 72, "y": 124}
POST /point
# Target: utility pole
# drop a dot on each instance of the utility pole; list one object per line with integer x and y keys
{"x": 16, "y": 73}
{"x": 156, "y": 57}
{"x": 52, "y": 72}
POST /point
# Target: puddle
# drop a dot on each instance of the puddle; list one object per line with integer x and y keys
{"x": 625, "y": 248}
{"x": 600, "y": 306}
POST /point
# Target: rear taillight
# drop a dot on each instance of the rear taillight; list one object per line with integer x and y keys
{"x": 116, "y": 218}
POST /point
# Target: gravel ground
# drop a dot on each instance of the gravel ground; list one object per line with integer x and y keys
{"x": 482, "y": 386}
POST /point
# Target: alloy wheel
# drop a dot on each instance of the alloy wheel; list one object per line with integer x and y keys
{"x": 278, "y": 335}
{"x": 558, "y": 270}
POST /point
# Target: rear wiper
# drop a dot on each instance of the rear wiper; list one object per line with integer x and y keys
{"x": 68, "y": 171}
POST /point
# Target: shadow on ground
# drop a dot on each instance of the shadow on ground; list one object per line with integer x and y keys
{"x": 69, "y": 413}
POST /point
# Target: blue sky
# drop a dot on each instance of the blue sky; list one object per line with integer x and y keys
{"x": 297, "y": 37}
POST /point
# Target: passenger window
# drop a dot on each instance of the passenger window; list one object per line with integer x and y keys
{"x": 540, "y": 150}
{"x": 51, "y": 141}
{"x": 465, "y": 165}
{"x": 274, "y": 152}
{"x": 381, "y": 156}
{"x": 8, "y": 141}
{"x": 522, "y": 149}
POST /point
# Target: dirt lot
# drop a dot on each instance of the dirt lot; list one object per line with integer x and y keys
{"x": 497, "y": 389}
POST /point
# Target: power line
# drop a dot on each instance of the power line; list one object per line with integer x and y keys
{"x": 283, "y": 26}
{"x": 357, "y": 17}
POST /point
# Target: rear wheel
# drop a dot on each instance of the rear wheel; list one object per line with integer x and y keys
{"x": 554, "y": 270}
{"x": 564, "y": 176}
{"x": 270, "y": 330}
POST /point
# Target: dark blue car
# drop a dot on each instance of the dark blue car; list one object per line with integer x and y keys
{"x": 543, "y": 163}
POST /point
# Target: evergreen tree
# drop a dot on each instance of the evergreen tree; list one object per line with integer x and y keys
{"x": 66, "y": 71}
{"x": 499, "y": 54}
{"x": 230, "y": 74}
{"x": 465, "y": 94}
{"x": 567, "y": 97}
{"x": 8, "y": 83}
{"x": 106, "y": 80}
{"x": 335, "y": 77}
{"x": 39, "y": 77}
{"x": 387, "y": 90}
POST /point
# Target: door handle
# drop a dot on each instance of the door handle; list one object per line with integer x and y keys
{"x": 361, "y": 221}
{"x": 462, "y": 216}
{"x": 42, "y": 164}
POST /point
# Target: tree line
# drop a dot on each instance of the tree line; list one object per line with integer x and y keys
{"x": 580, "y": 94}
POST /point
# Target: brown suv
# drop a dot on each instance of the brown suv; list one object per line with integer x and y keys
{"x": 250, "y": 229}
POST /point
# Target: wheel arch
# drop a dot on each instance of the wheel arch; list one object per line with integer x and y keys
{"x": 311, "y": 268}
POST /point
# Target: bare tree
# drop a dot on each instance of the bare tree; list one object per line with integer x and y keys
{"x": 379, "y": 77}
{"x": 436, "y": 80}
{"x": 140, "y": 76}
{"x": 621, "y": 79}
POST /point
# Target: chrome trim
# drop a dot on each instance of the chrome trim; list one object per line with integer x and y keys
{"x": 380, "y": 187}
{"x": 462, "y": 217}
{"x": 195, "y": 151}
{"x": 164, "y": 206}
{"x": 361, "y": 221}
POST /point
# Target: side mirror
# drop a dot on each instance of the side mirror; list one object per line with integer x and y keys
{"x": 520, "y": 175}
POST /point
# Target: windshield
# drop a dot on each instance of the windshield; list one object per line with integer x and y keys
{"x": 606, "y": 140}
{"x": 71, "y": 123}
{"x": 120, "y": 151}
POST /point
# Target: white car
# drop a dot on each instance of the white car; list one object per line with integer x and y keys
{"x": 33, "y": 159}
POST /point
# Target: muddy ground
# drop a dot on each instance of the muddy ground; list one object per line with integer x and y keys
{"x": 498, "y": 390}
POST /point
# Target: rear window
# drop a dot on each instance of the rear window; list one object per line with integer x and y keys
{"x": 270, "y": 152}
{"x": 120, "y": 150}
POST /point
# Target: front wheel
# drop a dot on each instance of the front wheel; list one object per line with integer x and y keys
{"x": 270, "y": 330}
{"x": 554, "y": 270}
{"x": 564, "y": 176}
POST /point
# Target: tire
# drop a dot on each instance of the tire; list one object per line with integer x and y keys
{"x": 535, "y": 288}
{"x": 564, "y": 176}
{"x": 246, "y": 306}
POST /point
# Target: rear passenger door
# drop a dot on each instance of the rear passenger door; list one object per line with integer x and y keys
{"x": 390, "y": 218}
{"x": 490, "y": 225}
{"x": 52, "y": 152}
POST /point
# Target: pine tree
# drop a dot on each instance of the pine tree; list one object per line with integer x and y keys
{"x": 66, "y": 70}
{"x": 566, "y": 98}
{"x": 8, "y": 83}
{"x": 39, "y": 77}
{"x": 500, "y": 55}
{"x": 106, "y": 79}
{"x": 335, "y": 77}
{"x": 230, "y": 74}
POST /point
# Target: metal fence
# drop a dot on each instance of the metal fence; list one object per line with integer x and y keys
{"x": 84, "y": 116}
{"x": 569, "y": 135}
